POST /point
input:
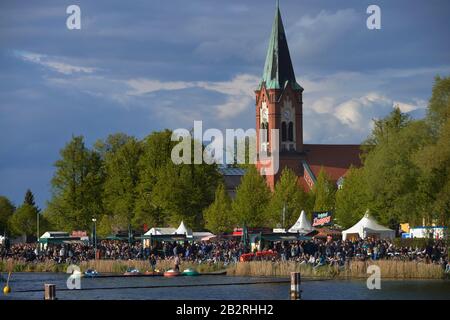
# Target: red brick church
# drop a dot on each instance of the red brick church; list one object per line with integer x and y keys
{"x": 279, "y": 105}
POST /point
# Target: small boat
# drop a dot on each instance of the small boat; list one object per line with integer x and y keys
{"x": 190, "y": 272}
{"x": 132, "y": 272}
{"x": 90, "y": 273}
{"x": 153, "y": 273}
{"x": 172, "y": 273}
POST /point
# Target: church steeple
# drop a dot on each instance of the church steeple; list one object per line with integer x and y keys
{"x": 278, "y": 70}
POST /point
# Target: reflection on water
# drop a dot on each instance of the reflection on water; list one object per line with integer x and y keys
{"x": 322, "y": 290}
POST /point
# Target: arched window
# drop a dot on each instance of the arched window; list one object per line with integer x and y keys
{"x": 264, "y": 135}
{"x": 267, "y": 131}
{"x": 283, "y": 131}
{"x": 291, "y": 131}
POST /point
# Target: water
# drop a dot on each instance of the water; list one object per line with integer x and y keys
{"x": 322, "y": 290}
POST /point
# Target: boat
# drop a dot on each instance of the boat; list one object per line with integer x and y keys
{"x": 153, "y": 273}
{"x": 214, "y": 273}
{"x": 172, "y": 273}
{"x": 132, "y": 272}
{"x": 190, "y": 272}
{"x": 90, "y": 273}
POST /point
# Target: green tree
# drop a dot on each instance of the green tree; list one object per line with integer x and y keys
{"x": 157, "y": 148}
{"x": 23, "y": 221}
{"x": 29, "y": 198}
{"x": 76, "y": 187}
{"x": 385, "y": 129}
{"x": 324, "y": 192}
{"x": 252, "y": 198}
{"x": 218, "y": 216}
{"x": 433, "y": 161}
{"x": 182, "y": 192}
{"x": 438, "y": 111}
{"x": 6, "y": 211}
{"x": 351, "y": 199}
{"x": 392, "y": 177}
{"x": 290, "y": 195}
{"x": 122, "y": 174}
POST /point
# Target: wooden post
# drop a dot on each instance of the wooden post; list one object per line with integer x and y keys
{"x": 49, "y": 291}
{"x": 296, "y": 293}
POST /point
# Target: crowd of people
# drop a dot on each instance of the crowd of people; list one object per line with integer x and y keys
{"x": 315, "y": 252}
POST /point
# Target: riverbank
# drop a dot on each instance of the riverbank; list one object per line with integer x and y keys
{"x": 102, "y": 266}
{"x": 354, "y": 270}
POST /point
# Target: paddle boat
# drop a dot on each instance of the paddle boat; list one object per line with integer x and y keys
{"x": 90, "y": 273}
{"x": 154, "y": 273}
{"x": 132, "y": 272}
{"x": 172, "y": 273}
{"x": 190, "y": 272}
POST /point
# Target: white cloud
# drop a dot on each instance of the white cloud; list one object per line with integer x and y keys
{"x": 143, "y": 86}
{"x": 313, "y": 34}
{"x": 53, "y": 63}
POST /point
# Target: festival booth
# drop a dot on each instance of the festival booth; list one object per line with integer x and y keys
{"x": 57, "y": 237}
{"x": 180, "y": 234}
{"x": 368, "y": 227}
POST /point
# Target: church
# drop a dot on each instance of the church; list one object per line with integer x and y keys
{"x": 279, "y": 105}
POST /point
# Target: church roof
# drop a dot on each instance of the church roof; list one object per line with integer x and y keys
{"x": 278, "y": 70}
{"x": 336, "y": 159}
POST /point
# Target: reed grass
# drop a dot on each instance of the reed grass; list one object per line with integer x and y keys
{"x": 356, "y": 269}
{"x": 102, "y": 266}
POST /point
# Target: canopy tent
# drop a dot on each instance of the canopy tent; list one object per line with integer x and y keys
{"x": 368, "y": 226}
{"x": 183, "y": 230}
{"x": 159, "y": 231}
{"x": 302, "y": 226}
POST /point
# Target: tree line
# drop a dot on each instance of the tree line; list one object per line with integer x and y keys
{"x": 125, "y": 182}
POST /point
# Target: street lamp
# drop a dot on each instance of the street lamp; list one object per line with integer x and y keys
{"x": 94, "y": 237}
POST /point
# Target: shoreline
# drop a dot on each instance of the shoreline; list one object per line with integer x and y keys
{"x": 389, "y": 269}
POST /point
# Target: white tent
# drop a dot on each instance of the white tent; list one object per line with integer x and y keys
{"x": 183, "y": 230}
{"x": 159, "y": 231}
{"x": 302, "y": 225}
{"x": 367, "y": 227}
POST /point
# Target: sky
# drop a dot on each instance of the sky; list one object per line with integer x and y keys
{"x": 142, "y": 66}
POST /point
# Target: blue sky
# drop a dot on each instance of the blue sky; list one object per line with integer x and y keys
{"x": 140, "y": 66}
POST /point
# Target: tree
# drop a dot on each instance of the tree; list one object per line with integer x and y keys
{"x": 438, "y": 111}
{"x": 352, "y": 199}
{"x": 122, "y": 174}
{"x": 29, "y": 198}
{"x": 252, "y": 198}
{"x": 24, "y": 219}
{"x": 433, "y": 161}
{"x": 393, "y": 178}
{"x": 289, "y": 195}
{"x": 218, "y": 216}
{"x": 324, "y": 192}
{"x": 6, "y": 211}
{"x": 183, "y": 191}
{"x": 76, "y": 187}
{"x": 385, "y": 129}
{"x": 157, "y": 149}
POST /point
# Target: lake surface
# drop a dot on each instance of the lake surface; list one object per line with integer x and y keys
{"x": 227, "y": 288}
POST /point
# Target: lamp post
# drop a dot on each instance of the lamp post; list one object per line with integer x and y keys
{"x": 94, "y": 237}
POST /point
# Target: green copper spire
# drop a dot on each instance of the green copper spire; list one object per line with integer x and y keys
{"x": 278, "y": 70}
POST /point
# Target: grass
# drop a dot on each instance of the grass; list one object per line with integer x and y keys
{"x": 102, "y": 266}
{"x": 356, "y": 269}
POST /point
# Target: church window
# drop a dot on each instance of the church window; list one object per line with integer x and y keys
{"x": 291, "y": 131}
{"x": 283, "y": 131}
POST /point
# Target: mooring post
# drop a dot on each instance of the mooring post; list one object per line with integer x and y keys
{"x": 296, "y": 293}
{"x": 49, "y": 291}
